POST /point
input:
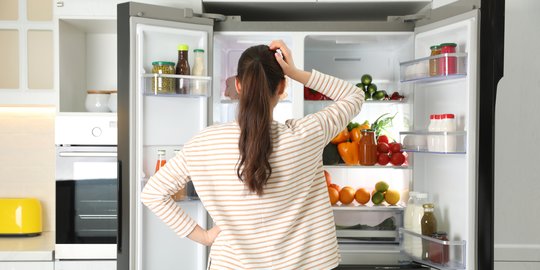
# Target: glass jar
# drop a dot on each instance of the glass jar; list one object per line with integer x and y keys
{"x": 199, "y": 86}
{"x": 368, "y": 148}
{"x": 429, "y": 226}
{"x": 439, "y": 252}
{"x": 162, "y": 85}
{"x": 448, "y": 64}
{"x": 434, "y": 62}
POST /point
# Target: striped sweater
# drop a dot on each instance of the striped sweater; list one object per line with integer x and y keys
{"x": 291, "y": 226}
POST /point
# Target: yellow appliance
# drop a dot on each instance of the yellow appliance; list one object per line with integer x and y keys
{"x": 20, "y": 216}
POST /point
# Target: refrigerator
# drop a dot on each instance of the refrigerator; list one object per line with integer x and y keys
{"x": 396, "y": 55}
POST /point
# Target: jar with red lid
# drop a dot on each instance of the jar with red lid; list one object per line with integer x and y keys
{"x": 448, "y": 64}
{"x": 439, "y": 252}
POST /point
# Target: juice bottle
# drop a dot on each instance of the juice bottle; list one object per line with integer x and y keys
{"x": 368, "y": 148}
{"x": 160, "y": 159}
{"x": 182, "y": 68}
{"x": 429, "y": 226}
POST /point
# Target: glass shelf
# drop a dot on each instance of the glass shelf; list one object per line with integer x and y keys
{"x": 423, "y": 141}
{"x": 446, "y": 255}
{"x": 366, "y": 167}
{"x": 234, "y": 101}
{"x": 325, "y": 103}
{"x": 199, "y": 86}
{"x": 369, "y": 207}
{"x": 447, "y": 66}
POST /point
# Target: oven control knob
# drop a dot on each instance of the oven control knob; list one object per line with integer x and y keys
{"x": 96, "y": 132}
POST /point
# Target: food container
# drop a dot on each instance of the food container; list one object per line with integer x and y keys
{"x": 448, "y": 64}
{"x": 113, "y": 97}
{"x": 163, "y": 85}
{"x": 97, "y": 100}
{"x": 20, "y": 217}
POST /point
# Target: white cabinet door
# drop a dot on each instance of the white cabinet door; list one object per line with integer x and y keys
{"x": 26, "y": 266}
{"x": 84, "y": 265}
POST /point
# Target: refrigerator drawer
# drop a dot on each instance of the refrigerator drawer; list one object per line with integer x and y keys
{"x": 366, "y": 225}
{"x": 370, "y": 254}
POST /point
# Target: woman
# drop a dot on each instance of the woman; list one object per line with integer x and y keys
{"x": 261, "y": 181}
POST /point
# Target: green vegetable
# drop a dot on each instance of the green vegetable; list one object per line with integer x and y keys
{"x": 381, "y": 123}
{"x": 352, "y": 125}
{"x": 331, "y": 155}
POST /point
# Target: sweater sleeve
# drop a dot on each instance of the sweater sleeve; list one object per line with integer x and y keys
{"x": 157, "y": 193}
{"x": 348, "y": 101}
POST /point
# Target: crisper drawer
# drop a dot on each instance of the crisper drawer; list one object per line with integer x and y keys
{"x": 368, "y": 224}
{"x": 370, "y": 254}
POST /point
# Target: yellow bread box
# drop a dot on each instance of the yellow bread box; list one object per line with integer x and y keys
{"x": 20, "y": 217}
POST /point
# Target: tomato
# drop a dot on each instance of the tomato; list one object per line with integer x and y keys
{"x": 383, "y": 159}
{"x": 382, "y": 138}
{"x": 395, "y": 147}
{"x": 397, "y": 159}
{"x": 383, "y": 147}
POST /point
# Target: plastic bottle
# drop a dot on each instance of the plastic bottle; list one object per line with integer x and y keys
{"x": 416, "y": 223}
{"x": 182, "y": 68}
{"x": 199, "y": 87}
{"x": 408, "y": 220}
{"x": 160, "y": 159}
{"x": 449, "y": 125}
{"x": 432, "y": 139}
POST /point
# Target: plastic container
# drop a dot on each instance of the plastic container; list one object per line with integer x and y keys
{"x": 97, "y": 101}
{"x": 439, "y": 253}
{"x": 162, "y": 85}
{"x": 448, "y": 124}
{"x": 433, "y": 140}
{"x": 448, "y": 65}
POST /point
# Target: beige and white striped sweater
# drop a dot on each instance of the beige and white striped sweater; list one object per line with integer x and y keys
{"x": 291, "y": 226}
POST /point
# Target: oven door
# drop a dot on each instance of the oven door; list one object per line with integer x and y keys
{"x": 86, "y": 202}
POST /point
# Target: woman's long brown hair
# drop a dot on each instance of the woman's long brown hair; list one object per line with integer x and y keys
{"x": 259, "y": 74}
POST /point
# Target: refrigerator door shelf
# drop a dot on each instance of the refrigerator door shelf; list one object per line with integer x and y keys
{"x": 434, "y": 68}
{"x": 198, "y": 85}
{"x": 389, "y": 166}
{"x": 442, "y": 142}
{"x": 444, "y": 255}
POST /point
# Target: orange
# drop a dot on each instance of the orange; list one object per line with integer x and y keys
{"x": 362, "y": 196}
{"x": 328, "y": 178}
{"x": 336, "y": 186}
{"x": 392, "y": 196}
{"x": 346, "y": 195}
{"x": 333, "y": 194}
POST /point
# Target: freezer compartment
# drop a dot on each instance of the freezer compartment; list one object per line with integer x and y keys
{"x": 370, "y": 224}
{"x": 164, "y": 84}
{"x": 434, "y": 68}
{"x": 433, "y": 252}
{"x": 440, "y": 142}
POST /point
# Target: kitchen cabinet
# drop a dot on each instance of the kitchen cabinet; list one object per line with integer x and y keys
{"x": 107, "y": 8}
{"x": 85, "y": 265}
{"x": 26, "y": 265}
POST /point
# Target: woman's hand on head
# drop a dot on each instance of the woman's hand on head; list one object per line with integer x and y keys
{"x": 285, "y": 60}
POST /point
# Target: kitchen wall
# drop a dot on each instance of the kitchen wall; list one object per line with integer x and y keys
{"x": 27, "y": 163}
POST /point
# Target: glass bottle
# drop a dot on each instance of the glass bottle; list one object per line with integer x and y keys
{"x": 199, "y": 87}
{"x": 368, "y": 148}
{"x": 160, "y": 159}
{"x": 434, "y": 62}
{"x": 416, "y": 223}
{"x": 182, "y": 68}
{"x": 408, "y": 221}
{"x": 429, "y": 226}
{"x": 439, "y": 252}
{"x": 448, "y": 64}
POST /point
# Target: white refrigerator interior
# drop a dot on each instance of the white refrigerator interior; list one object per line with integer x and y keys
{"x": 166, "y": 122}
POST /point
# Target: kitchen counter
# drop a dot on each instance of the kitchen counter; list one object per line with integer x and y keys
{"x": 38, "y": 248}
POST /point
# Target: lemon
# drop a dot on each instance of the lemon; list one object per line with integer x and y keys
{"x": 381, "y": 186}
{"x": 392, "y": 196}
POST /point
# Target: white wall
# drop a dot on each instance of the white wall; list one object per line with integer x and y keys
{"x": 517, "y": 140}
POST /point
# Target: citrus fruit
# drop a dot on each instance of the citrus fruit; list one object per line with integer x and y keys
{"x": 336, "y": 186}
{"x": 366, "y": 79}
{"x": 328, "y": 178}
{"x": 346, "y": 195}
{"x": 392, "y": 196}
{"x": 379, "y": 95}
{"x": 381, "y": 186}
{"x": 372, "y": 88}
{"x": 362, "y": 196}
{"x": 333, "y": 194}
{"x": 377, "y": 198}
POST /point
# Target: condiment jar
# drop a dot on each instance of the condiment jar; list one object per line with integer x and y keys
{"x": 97, "y": 101}
{"x": 448, "y": 64}
{"x": 368, "y": 148}
{"x": 439, "y": 252}
{"x": 434, "y": 62}
{"x": 162, "y": 85}
{"x": 198, "y": 86}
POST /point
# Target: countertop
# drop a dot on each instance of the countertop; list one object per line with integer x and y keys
{"x": 37, "y": 248}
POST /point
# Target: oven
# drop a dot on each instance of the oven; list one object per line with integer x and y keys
{"x": 86, "y": 191}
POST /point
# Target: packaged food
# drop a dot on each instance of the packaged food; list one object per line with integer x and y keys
{"x": 429, "y": 226}
{"x": 162, "y": 85}
{"x": 434, "y": 62}
{"x": 448, "y": 64}
{"x": 199, "y": 87}
{"x": 368, "y": 148}
{"x": 439, "y": 252}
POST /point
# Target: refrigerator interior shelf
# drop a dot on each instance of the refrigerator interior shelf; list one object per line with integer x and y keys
{"x": 369, "y": 207}
{"x": 234, "y": 101}
{"x": 325, "y": 103}
{"x": 368, "y": 234}
{"x": 199, "y": 86}
{"x": 434, "y": 68}
{"x": 435, "y": 142}
{"x": 342, "y": 165}
{"x": 445, "y": 255}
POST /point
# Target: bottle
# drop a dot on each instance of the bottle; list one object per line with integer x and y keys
{"x": 434, "y": 62}
{"x": 449, "y": 125}
{"x": 368, "y": 148}
{"x": 160, "y": 159}
{"x": 408, "y": 221}
{"x": 439, "y": 252}
{"x": 182, "y": 68}
{"x": 437, "y": 138}
{"x": 199, "y": 87}
{"x": 429, "y": 226}
{"x": 417, "y": 214}
{"x": 448, "y": 64}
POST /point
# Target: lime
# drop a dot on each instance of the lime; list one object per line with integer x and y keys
{"x": 372, "y": 88}
{"x": 377, "y": 198}
{"x": 366, "y": 79}
{"x": 379, "y": 95}
{"x": 381, "y": 186}
{"x": 360, "y": 85}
